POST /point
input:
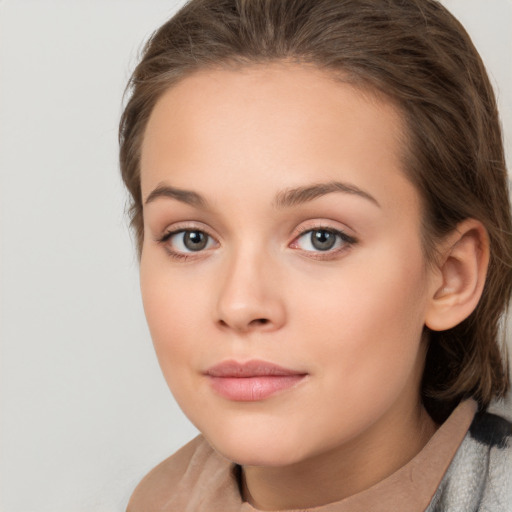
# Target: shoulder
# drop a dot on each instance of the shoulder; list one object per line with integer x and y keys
{"x": 491, "y": 430}
{"x": 159, "y": 489}
{"x": 479, "y": 478}
{"x": 492, "y": 437}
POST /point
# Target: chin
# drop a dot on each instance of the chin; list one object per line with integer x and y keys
{"x": 253, "y": 450}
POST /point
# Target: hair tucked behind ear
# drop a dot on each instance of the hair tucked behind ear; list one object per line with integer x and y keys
{"x": 421, "y": 58}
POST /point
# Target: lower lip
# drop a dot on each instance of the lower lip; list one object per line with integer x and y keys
{"x": 253, "y": 389}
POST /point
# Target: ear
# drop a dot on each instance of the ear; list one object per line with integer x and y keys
{"x": 460, "y": 275}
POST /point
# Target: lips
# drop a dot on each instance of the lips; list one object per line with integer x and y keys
{"x": 251, "y": 381}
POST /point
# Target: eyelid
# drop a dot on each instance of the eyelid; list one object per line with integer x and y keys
{"x": 347, "y": 240}
{"x": 344, "y": 236}
{"x": 328, "y": 225}
{"x": 182, "y": 227}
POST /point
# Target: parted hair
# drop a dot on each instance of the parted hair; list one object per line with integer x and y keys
{"x": 417, "y": 55}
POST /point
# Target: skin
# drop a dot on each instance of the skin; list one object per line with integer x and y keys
{"x": 350, "y": 318}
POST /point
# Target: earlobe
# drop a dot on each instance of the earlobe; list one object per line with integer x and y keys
{"x": 462, "y": 267}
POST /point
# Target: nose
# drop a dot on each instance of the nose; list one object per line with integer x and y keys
{"x": 250, "y": 295}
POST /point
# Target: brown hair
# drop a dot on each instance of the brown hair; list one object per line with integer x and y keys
{"x": 419, "y": 56}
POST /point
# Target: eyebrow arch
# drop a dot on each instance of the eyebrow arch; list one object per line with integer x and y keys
{"x": 294, "y": 196}
{"x": 285, "y": 199}
{"x": 185, "y": 196}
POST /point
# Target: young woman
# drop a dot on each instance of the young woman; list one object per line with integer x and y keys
{"x": 321, "y": 210}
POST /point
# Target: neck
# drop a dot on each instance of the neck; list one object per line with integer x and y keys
{"x": 344, "y": 471}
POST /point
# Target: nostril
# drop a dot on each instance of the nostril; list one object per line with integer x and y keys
{"x": 260, "y": 321}
{"x": 253, "y": 323}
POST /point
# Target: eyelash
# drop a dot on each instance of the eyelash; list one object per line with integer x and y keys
{"x": 346, "y": 240}
{"x": 178, "y": 255}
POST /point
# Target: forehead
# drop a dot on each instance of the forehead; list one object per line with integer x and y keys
{"x": 273, "y": 121}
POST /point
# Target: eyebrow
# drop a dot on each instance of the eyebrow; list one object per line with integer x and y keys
{"x": 185, "y": 196}
{"x": 285, "y": 199}
{"x": 294, "y": 196}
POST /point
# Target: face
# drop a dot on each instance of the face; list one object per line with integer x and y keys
{"x": 282, "y": 271}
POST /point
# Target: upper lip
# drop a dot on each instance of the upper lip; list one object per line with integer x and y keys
{"x": 253, "y": 368}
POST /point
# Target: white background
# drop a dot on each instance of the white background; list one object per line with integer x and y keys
{"x": 85, "y": 411}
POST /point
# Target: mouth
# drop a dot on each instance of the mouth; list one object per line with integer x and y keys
{"x": 251, "y": 381}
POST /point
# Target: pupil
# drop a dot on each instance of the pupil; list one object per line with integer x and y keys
{"x": 195, "y": 240}
{"x": 323, "y": 240}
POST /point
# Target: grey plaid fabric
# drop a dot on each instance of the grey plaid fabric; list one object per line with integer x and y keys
{"x": 479, "y": 478}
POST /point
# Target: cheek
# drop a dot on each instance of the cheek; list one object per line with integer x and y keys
{"x": 172, "y": 314}
{"x": 172, "y": 309}
{"x": 369, "y": 319}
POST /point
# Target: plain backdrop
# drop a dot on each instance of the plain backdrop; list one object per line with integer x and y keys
{"x": 84, "y": 409}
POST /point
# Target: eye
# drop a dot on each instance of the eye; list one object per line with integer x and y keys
{"x": 322, "y": 240}
{"x": 187, "y": 241}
